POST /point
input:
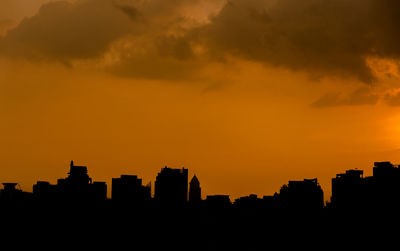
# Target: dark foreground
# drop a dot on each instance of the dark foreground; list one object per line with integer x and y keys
{"x": 189, "y": 227}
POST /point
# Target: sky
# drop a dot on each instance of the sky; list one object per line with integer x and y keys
{"x": 246, "y": 94}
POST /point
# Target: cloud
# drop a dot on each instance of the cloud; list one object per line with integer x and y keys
{"x": 65, "y": 31}
{"x": 332, "y": 38}
{"x": 326, "y": 37}
{"x": 361, "y": 96}
{"x": 143, "y": 38}
{"x": 162, "y": 49}
{"x": 129, "y": 10}
{"x": 150, "y": 65}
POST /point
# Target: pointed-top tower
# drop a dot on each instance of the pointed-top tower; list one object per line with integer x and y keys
{"x": 194, "y": 190}
{"x": 78, "y": 175}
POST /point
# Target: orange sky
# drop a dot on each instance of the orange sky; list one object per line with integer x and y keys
{"x": 173, "y": 83}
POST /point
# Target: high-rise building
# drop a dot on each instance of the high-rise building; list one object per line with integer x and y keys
{"x": 78, "y": 185}
{"x": 129, "y": 189}
{"x": 78, "y": 175}
{"x": 171, "y": 185}
{"x": 194, "y": 190}
{"x": 44, "y": 191}
{"x": 385, "y": 187}
{"x": 377, "y": 192}
{"x": 348, "y": 189}
{"x": 306, "y": 195}
{"x": 251, "y": 201}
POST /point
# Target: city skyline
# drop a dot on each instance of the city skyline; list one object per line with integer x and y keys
{"x": 247, "y": 94}
{"x": 193, "y": 184}
{"x": 200, "y": 124}
{"x": 76, "y": 211}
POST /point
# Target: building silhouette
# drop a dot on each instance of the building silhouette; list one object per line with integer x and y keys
{"x": 251, "y": 202}
{"x": 171, "y": 185}
{"x": 129, "y": 189}
{"x": 381, "y": 191}
{"x": 77, "y": 186}
{"x": 348, "y": 189}
{"x": 194, "y": 190}
{"x": 306, "y": 195}
{"x": 10, "y": 191}
{"x": 44, "y": 191}
{"x": 12, "y": 195}
{"x": 385, "y": 184}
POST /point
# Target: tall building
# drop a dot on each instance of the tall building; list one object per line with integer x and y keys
{"x": 171, "y": 185}
{"x": 348, "y": 189}
{"x": 194, "y": 190}
{"x": 76, "y": 185}
{"x": 79, "y": 186}
{"x": 385, "y": 187}
{"x": 387, "y": 175}
{"x": 377, "y": 192}
{"x": 44, "y": 191}
{"x": 306, "y": 195}
{"x": 129, "y": 189}
{"x": 249, "y": 202}
{"x": 78, "y": 175}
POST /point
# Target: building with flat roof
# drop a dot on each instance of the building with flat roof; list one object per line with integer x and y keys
{"x": 171, "y": 185}
{"x": 305, "y": 195}
{"x": 129, "y": 189}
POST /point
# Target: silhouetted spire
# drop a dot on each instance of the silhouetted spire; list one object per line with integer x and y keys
{"x": 194, "y": 190}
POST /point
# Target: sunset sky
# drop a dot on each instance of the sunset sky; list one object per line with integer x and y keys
{"x": 246, "y": 94}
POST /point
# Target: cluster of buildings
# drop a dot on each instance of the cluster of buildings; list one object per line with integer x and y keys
{"x": 351, "y": 190}
{"x": 172, "y": 187}
{"x": 76, "y": 186}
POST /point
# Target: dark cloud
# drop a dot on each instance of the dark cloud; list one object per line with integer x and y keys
{"x": 321, "y": 37}
{"x": 88, "y": 29}
{"x": 129, "y": 10}
{"x": 63, "y": 31}
{"x": 150, "y": 64}
{"x": 327, "y": 37}
{"x": 361, "y": 96}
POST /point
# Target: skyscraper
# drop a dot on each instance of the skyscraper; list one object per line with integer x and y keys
{"x": 171, "y": 185}
{"x": 348, "y": 189}
{"x": 129, "y": 189}
{"x": 305, "y": 195}
{"x": 194, "y": 190}
{"x": 79, "y": 186}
